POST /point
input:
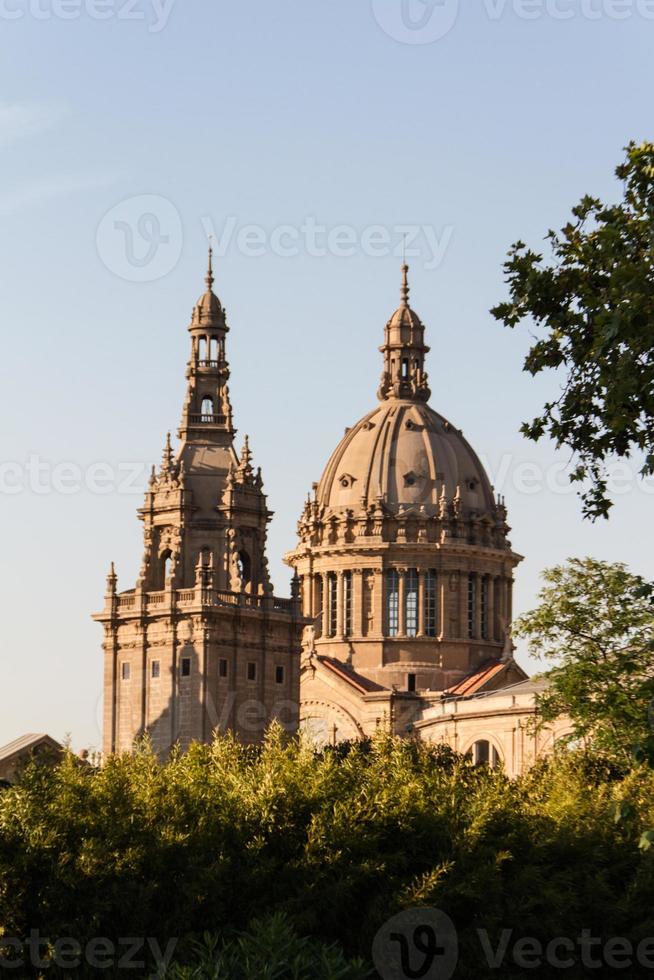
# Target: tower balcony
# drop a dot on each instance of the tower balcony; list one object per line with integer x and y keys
{"x": 155, "y": 603}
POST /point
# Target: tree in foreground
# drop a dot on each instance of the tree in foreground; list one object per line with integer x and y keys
{"x": 595, "y": 622}
{"x": 593, "y": 302}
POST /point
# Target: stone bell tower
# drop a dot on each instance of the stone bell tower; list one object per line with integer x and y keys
{"x": 201, "y": 643}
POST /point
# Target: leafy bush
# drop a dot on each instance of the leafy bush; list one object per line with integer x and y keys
{"x": 337, "y": 841}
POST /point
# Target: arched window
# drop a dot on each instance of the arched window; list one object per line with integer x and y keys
{"x": 392, "y": 601}
{"x": 165, "y": 565}
{"x": 245, "y": 567}
{"x": 207, "y": 409}
{"x": 347, "y": 603}
{"x": 202, "y": 349}
{"x": 430, "y": 603}
{"x": 411, "y": 601}
{"x": 483, "y": 753}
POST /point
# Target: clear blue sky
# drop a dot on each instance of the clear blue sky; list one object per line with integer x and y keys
{"x": 275, "y": 115}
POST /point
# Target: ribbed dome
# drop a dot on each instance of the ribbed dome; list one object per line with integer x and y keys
{"x": 406, "y": 454}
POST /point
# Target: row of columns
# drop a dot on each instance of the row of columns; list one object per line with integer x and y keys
{"x": 451, "y": 596}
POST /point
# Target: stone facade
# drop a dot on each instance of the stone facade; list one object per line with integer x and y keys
{"x": 201, "y": 643}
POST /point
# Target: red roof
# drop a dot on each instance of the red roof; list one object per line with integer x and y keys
{"x": 478, "y": 679}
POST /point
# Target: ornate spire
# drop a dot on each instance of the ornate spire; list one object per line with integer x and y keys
{"x": 404, "y": 288}
{"x": 209, "y": 276}
{"x": 167, "y": 458}
{"x": 244, "y": 472}
{"x": 207, "y": 411}
{"x": 404, "y": 376}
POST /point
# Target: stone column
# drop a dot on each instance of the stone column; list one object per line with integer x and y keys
{"x": 401, "y": 619}
{"x": 340, "y": 610}
{"x": 442, "y": 587}
{"x": 378, "y": 624}
{"x": 421, "y": 602}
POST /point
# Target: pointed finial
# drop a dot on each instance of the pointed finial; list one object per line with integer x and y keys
{"x": 246, "y": 455}
{"x": 167, "y": 459}
{"x": 209, "y": 276}
{"x": 404, "y": 289}
{"x": 111, "y": 579}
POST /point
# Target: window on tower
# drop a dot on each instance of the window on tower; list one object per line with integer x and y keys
{"x": 252, "y": 671}
{"x": 155, "y": 669}
{"x": 347, "y": 603}
{"x": 186, "y": 666}
{"x": 332, "y": 604}
{"x": 125, "y": 672}
{"x": 411, "y": 602}
{"x": 279, "y": 674}
{"x": 207, "y": 409}
{"x": 484, "y": 607}
{"x": 392, "y": 601}
{"x": 222, "y": 668}
{"x": 430, "y": 603}
{"x": 472, "y": 604}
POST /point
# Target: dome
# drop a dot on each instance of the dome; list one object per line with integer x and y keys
{"x": 409, "y": 456}
{"x": 208, "y": 310}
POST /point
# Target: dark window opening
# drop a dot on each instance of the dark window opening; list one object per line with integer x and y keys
{"x": 411, "y": 602}
{"x": 347, "y": 603}
{"x": 186, "y": 666}
{"x": 222, "y": 668}
{"x": 245, "y": 567}
{"x": 156, "y": 668}
{"x": 279, "y": 675}
{"x": 411, "y": 683}
{"x": 252, "y": 672}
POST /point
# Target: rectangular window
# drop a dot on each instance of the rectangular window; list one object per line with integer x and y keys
{"x": 484, "y": 608}
{"x": 156, "y": 669}
{"x": 125, "y": 671}
{"x": 347, "y": 603}
{"x": 332, "y": 599}
{"x": 472, "y": 604}
{"x": 411, "y": 601}
{"x": 222, "y": 668}
{"x": 430, "y": 603}
{"x": 392, "y": 601}
{"x": 252, "y": 671}
{"x": 411, "y": 683}
{"x": 279, "y": 675}
{"x": 186, "y": 666}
